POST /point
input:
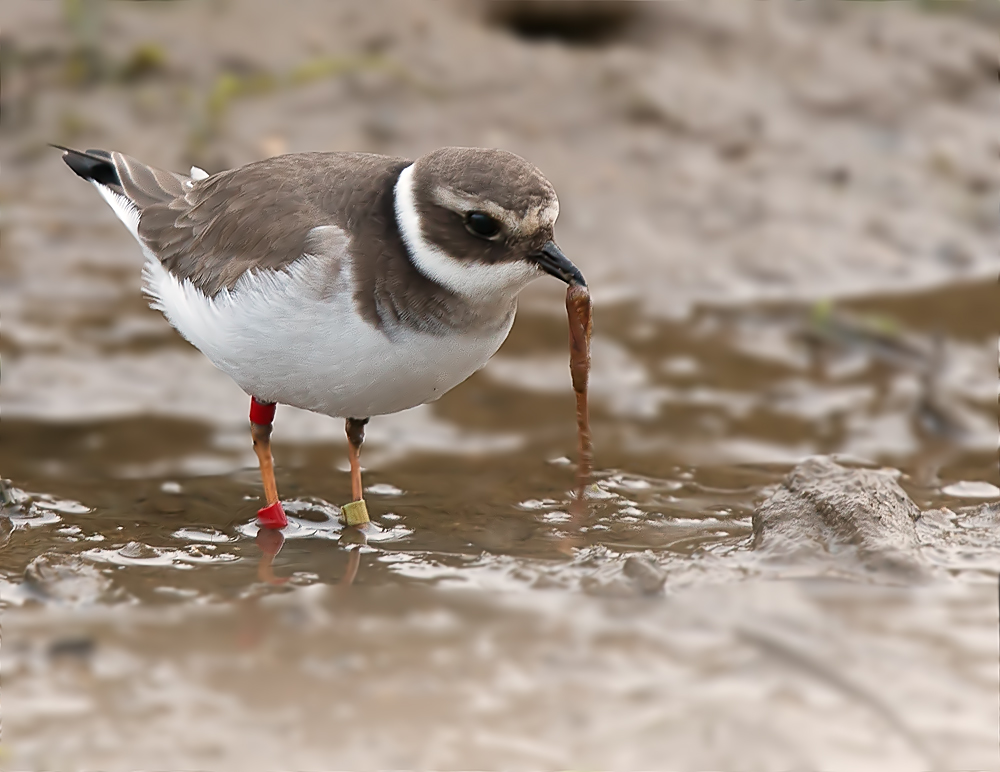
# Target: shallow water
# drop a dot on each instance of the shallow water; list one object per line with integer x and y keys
{"x": 693, "y": 423}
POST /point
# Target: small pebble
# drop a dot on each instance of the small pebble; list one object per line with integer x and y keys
{"x": 645, "y": 574}
{"x": 384, "y": 489}
{"x": 968, "y": 489}
{"x": 137, "y": 551}
{"x": 76, "y": 648}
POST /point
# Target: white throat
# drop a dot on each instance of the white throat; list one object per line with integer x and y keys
{"x": 470, "y": 279}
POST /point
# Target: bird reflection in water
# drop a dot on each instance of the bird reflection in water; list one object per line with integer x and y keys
{"x": 255, "y": 621}
{"x": 270, "y": 542}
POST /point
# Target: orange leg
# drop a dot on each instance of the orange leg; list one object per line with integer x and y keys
{"x": 262, "y": 447}
{"x": 355, "y": 437}
{"x": 261, "y": 417}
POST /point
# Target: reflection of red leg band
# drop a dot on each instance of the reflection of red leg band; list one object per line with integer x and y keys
{"x": 261, "y": 413}
{"x": 270, "y": 541}
{"x": 272, "y": 516}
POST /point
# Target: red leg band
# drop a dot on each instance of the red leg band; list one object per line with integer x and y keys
{"x": 261, "y": 413}
{"x": 272, "y": 516}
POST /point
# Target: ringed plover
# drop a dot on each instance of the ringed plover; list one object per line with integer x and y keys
{"x": 348, "y": 284}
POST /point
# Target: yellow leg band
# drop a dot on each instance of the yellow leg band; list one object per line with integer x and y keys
{"x": 355, "y": 513}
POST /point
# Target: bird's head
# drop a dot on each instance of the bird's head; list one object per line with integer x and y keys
{"x": 480, "y": 222}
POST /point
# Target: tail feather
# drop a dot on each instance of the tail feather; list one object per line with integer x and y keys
{"x": 92, "y": 165}
{"x": 130, "y": 187}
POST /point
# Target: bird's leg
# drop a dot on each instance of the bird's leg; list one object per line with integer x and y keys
{"x": 355, "y": 513}
{"x": 261, "y": 418}
{"x": 355, "y": 437}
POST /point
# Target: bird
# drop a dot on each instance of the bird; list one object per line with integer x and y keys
{"x": 348, "y": 284}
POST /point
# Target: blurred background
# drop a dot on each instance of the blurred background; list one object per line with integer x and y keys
{"x": 787, "y": 215}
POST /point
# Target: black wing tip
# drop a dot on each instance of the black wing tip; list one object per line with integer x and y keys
{"x": 95, "y": 165}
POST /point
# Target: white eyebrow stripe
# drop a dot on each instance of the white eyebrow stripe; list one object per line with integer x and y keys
{"x": 457, "y": 202}
{"x": 540, "y": 217}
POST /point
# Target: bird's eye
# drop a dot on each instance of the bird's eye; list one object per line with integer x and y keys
{"x": 482, "y": 225}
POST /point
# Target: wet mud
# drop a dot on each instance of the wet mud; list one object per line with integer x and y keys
{"x": 823, "y": 505}
{"x": 788, "y": 549}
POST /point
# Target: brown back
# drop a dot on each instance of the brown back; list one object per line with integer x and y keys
{"x": 260, "y": 217}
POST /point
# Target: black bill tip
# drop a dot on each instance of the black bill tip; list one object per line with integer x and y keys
{"x": 551, "y": 260}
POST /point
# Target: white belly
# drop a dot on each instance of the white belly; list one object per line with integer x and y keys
{"x": 283, "y": 339}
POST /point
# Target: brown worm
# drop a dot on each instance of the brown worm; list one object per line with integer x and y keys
{"x": 578, "y": 309}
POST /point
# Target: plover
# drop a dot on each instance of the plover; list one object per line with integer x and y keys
{"x": 348, "y": 284}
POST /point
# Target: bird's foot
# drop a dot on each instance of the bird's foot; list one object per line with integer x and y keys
{"x": 272, "y": 516}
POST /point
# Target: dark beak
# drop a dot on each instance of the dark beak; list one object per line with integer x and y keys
{"x": 551, "y": 260}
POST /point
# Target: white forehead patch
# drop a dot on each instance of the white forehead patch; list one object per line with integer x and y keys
{"x": 549, "y": 213}
{"x": 471, "y": 279}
